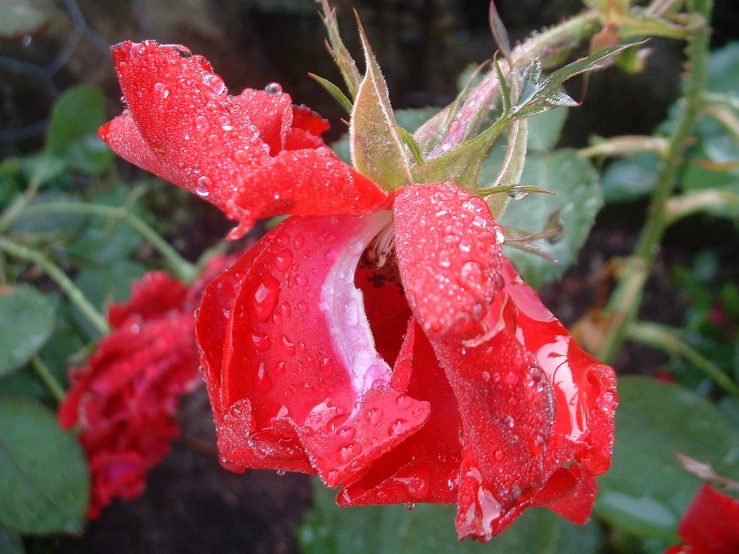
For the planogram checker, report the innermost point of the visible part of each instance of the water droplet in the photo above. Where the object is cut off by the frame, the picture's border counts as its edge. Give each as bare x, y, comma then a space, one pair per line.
374, 415
326, 367
260, 341
538, 444
486, 376
498, 455
517, 195
161, 90
27, 39
203, 187
213, 85
288, 345
273, 88
265, 297
279, 368
397, 427
403, 401
511, 378
332, 255
280, 473
349, 451
283, 260
242, 156
347, 433
472, 278
301, 280
409, 506
302, 306
510, 422
298, 241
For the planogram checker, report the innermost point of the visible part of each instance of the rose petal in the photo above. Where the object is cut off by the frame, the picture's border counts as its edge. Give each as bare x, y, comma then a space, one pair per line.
449, 252
425, 467
711, 522
154, 294
183, 126
298, 361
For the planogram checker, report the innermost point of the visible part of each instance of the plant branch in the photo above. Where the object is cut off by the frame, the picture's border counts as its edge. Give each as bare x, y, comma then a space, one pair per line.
625, 146
684, 205
58, 276
666, 338
624, 303
44, 373
181, 268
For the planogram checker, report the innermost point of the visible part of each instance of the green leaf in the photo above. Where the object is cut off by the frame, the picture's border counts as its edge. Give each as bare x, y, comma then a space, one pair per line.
545, 129
723, 69
75, 120
56, 224
631, 178
427, 528
646, 490
21, 17
538, 94
577, 193
45, 486
10, 541
378, 151
105, 284
26, 323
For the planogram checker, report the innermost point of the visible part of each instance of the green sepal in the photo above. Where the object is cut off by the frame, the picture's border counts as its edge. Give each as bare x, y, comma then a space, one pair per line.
339, 52
377, 148
334, 91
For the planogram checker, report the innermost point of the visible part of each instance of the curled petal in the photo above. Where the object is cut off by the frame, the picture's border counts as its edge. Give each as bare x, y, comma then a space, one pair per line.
295, 375
232, 151
425, 467
449, 249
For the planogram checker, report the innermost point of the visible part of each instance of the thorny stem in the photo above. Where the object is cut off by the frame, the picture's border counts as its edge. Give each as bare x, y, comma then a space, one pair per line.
551, 47
668, 339
44, 373
63, 282
624, 303
181, 268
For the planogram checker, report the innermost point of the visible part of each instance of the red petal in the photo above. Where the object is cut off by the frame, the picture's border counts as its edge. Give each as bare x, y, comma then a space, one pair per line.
297, 373
532, 402
449, 250
154, 294
425, 467
711, 523
183, 126
306, 119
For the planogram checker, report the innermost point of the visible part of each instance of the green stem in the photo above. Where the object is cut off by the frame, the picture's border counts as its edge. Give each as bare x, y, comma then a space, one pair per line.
624, 303
63, 282
666, 338
625, 146
44, 373
684, 205
181, 268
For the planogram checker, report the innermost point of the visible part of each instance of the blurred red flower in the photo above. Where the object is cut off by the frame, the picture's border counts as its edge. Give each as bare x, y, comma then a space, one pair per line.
395, 351
124, 399
710, 525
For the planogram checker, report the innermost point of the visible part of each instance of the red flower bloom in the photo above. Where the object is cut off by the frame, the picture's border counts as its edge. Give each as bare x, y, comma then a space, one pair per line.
710, 525
396, 353
125, 398
252, 155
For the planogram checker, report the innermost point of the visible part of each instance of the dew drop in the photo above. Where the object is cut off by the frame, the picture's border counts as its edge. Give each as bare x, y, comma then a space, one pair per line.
409, 506
298, 241
203, 187
498, 455
242, 156
283, 260
301, 280
403, 401
374, 415
273, 88
280, 473
397, 427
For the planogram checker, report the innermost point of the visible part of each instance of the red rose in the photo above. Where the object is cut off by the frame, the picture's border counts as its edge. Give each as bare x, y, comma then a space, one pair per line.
394, 352
710, 525
125, 398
